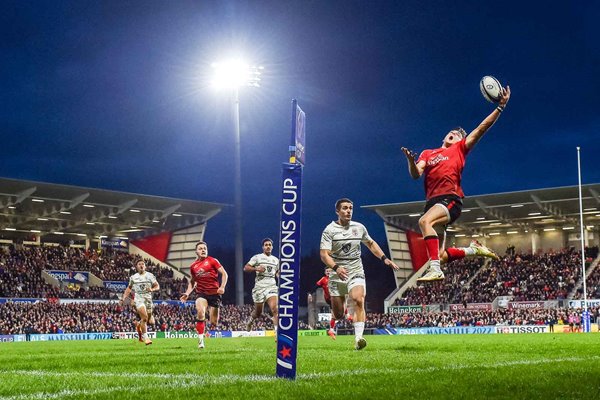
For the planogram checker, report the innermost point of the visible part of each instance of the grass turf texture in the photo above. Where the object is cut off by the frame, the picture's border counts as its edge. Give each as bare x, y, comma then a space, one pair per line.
521, 366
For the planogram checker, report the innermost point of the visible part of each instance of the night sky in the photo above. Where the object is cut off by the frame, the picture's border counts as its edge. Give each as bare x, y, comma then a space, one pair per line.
114, 95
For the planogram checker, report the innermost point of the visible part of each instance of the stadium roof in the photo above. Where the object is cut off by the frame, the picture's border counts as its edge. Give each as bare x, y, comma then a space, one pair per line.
58, 210
523, 211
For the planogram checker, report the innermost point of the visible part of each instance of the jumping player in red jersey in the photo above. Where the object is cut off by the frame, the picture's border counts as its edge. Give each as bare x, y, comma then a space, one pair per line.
443, 168
205, 273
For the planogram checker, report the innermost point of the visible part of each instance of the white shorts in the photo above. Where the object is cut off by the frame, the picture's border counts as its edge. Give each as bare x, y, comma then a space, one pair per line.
261, 294
140, 301
339, 288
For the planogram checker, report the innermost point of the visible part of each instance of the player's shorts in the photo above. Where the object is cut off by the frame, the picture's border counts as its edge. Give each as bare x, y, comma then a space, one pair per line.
451, 203
261, 294
213, 300
339, 288
140, 301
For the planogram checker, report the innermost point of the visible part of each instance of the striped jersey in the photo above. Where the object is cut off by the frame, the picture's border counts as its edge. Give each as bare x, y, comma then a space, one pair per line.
140, 284
343, 243
271, 265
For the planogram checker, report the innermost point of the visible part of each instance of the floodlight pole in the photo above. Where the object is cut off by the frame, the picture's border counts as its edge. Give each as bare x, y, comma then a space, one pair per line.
239, 244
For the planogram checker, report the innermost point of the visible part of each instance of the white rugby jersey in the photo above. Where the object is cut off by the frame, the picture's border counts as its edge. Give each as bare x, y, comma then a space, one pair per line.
343, 242
141, 284
271, 264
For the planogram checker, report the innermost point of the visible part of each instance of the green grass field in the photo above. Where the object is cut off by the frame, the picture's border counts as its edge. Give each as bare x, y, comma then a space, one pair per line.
446, 366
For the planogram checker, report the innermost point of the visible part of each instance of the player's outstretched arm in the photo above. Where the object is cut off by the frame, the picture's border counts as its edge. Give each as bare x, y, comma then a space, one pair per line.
487, 123
377, 252
414, 169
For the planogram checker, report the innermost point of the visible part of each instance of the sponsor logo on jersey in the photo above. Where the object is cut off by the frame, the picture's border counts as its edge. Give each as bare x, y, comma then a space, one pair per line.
437, 159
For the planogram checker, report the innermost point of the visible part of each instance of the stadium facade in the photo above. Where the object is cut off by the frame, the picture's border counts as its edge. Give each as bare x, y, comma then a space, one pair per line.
46, 214
529, 221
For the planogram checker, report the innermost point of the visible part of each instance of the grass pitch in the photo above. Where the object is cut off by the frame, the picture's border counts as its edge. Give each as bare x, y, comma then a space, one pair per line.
522, 366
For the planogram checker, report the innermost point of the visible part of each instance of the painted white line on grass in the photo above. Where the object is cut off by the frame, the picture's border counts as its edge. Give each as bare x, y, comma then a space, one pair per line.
181, 381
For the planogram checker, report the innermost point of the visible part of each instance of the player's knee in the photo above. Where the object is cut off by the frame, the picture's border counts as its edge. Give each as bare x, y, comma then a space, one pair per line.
424, 222
359, 302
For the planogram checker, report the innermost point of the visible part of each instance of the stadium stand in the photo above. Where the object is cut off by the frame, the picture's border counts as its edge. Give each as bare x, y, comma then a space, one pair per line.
525, 277
21, 270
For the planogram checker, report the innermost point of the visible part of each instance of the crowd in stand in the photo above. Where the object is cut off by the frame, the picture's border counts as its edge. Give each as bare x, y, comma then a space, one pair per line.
21, 272
525, 277
553, 275
53, 317
457, 275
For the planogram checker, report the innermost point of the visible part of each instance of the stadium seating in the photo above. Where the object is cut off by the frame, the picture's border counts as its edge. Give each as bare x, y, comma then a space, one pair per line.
21, 272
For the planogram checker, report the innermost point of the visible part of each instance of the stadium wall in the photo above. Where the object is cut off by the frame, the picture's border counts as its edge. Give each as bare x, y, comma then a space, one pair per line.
527, 242
182, 250
133, 249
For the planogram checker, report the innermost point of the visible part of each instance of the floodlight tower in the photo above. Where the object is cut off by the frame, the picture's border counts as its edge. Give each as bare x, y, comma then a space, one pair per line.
232, 75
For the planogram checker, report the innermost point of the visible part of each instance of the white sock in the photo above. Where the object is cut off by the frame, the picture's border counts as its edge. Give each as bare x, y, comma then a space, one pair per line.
435, 265
359, 328
469, 251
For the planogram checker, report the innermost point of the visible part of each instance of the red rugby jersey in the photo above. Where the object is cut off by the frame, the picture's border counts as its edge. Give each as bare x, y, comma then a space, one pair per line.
323, 283
443, 169
205, 274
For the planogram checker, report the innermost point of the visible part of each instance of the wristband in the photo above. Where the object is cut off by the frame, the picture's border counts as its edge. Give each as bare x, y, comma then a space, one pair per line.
383, 258
335, 267
500, 108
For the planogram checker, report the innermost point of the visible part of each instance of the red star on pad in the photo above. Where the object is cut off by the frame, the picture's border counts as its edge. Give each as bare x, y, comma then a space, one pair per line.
286, 352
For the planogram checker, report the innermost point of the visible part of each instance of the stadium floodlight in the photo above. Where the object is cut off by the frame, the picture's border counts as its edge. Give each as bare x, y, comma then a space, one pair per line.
232, 75
235, 73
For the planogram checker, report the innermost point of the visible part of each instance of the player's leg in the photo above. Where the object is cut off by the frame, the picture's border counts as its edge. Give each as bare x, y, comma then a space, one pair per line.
437, 215
357, 296
137, 324
213, 312
337, 292
201, 306
257, 312
144, 323
214, 304
337, 314
150, 321
272, 303
475, 249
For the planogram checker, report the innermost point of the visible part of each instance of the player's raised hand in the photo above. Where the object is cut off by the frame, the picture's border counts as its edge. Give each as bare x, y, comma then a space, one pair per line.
410, 155
504, 96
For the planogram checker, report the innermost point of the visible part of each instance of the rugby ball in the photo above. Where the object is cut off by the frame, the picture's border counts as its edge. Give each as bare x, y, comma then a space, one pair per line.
490, 89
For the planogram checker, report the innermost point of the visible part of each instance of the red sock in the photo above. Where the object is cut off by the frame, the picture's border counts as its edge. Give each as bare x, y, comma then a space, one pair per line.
433, 247
332, 323
200, 327
455, 253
